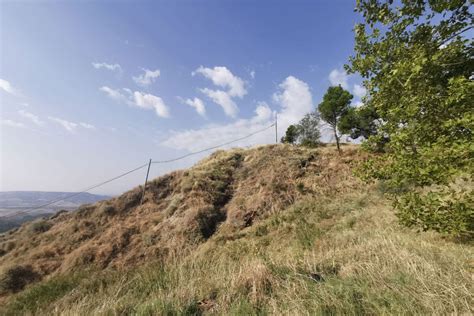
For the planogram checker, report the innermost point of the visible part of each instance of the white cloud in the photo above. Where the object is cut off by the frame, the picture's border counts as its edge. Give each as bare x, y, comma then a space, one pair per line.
7, 87
13, 124
212, 134
69, 126
147, 78
222, 77
359, 91
150, 101
338, 77
294, 100
223, 99
87, 125
198, 105
138, 99
111, 67
114, 94
252, 74
263, 113
34, 118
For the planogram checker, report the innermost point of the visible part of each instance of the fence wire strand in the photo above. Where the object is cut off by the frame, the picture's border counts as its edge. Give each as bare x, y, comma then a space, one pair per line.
35, 208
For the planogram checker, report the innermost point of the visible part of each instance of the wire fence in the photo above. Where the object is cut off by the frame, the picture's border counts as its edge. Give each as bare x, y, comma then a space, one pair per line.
52, 202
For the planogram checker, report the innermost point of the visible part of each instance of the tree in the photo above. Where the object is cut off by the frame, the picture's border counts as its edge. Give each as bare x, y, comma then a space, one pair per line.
417, 63
335, 104
308, 130
362, 122
291, 135
305, 133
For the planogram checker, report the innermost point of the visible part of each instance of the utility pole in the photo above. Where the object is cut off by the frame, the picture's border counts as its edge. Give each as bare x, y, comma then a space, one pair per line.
146, 180
276, 128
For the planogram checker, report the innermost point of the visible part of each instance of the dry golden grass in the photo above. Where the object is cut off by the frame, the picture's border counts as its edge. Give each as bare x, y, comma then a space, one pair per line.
180, 210
270, 230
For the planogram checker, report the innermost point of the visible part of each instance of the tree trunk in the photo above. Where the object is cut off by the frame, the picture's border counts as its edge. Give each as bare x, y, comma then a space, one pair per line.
337, 141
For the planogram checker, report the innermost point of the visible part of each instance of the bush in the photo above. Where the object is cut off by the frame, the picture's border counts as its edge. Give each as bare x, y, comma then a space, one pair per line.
16, 278
447, 211
40, 226
107, 209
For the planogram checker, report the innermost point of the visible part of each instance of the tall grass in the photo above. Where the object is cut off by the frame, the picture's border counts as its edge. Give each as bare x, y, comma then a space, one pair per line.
320, 256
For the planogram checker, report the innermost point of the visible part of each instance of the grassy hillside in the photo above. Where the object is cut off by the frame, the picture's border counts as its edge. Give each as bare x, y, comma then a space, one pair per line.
269, 230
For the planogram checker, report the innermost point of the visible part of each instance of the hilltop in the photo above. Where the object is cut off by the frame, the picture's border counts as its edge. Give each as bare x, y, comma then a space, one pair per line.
272, 229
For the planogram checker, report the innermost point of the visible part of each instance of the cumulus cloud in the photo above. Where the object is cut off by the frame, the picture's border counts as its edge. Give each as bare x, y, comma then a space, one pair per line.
7, 87
114, 94
252, 74
138, 99
212, 134
223, 78
263, 113
150, 101
70, 126
198, 105
294, 100
13, 124
30, 116
111, 67
338, 77
147, 78
223, 99
359, 91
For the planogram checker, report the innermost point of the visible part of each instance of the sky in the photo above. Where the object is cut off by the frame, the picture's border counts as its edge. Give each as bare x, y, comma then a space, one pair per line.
91, 89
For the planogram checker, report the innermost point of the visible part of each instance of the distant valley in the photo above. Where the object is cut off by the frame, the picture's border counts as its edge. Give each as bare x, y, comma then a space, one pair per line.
12, 202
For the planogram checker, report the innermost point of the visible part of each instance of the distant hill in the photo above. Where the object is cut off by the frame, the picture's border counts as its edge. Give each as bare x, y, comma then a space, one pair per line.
12, 202
272, 230
20, 199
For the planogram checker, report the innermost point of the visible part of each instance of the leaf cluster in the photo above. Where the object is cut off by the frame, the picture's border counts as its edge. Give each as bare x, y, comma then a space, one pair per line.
417, 63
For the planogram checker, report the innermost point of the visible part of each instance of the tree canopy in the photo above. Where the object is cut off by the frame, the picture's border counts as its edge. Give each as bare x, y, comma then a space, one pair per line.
336, 103
363, 122
305, 133
291, 135
418, 63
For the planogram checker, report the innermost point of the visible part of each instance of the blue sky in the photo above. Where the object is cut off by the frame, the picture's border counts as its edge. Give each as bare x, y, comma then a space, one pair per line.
90, 89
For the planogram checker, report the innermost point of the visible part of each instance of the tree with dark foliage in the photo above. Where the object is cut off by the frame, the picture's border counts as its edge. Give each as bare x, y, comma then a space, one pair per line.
335, 105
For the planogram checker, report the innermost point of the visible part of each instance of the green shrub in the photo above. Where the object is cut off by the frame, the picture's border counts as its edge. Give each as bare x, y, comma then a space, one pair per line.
41, 295
40, 226
107, 209
447, 211
16, 278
